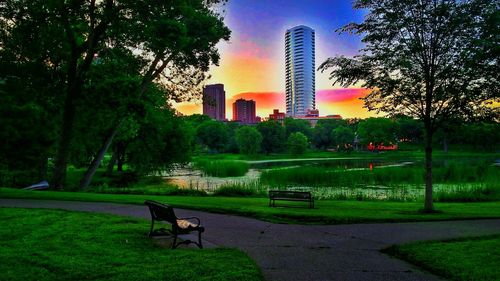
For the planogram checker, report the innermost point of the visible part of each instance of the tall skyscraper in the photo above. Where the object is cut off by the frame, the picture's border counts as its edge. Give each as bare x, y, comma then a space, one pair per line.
244, 111
300, 71
214, 101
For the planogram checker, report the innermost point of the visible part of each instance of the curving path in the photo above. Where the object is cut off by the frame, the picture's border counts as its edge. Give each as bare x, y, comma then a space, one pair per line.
304, 252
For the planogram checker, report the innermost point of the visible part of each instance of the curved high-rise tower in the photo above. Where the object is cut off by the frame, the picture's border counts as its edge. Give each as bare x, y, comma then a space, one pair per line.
300, 71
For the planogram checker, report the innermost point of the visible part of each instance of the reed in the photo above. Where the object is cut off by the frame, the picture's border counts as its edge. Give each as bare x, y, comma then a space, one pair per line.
222, 168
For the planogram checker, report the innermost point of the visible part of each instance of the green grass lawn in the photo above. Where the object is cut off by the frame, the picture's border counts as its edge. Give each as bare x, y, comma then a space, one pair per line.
458, 259
60, 245
326, 211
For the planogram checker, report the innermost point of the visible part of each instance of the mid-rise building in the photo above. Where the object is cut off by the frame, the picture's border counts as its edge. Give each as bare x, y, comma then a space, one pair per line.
277, 115
214, 101
244, 111
300, 71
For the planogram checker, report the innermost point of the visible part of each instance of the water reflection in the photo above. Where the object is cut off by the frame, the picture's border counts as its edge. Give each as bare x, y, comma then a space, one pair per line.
189, 177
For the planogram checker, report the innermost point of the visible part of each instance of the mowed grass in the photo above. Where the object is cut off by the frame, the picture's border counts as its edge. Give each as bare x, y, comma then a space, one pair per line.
459, 259
326, 211
60, 245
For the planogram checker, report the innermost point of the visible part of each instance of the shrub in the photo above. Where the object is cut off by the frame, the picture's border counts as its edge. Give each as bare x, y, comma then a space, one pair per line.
297, 143
248, 140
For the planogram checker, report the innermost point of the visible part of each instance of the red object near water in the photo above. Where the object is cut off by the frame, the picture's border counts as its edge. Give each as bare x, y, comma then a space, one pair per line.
381, 147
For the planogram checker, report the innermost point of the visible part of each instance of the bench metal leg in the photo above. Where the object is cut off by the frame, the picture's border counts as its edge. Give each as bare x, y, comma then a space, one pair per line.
199, 240
199, 244
174, 245
151, 229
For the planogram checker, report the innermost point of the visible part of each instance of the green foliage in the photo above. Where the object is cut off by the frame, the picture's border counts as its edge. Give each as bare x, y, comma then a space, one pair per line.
297, 143
343, 137
125, 178
222, 168
239, 190
322, 136
473, 258
430, 60
377, 131
232, 143
482, 136
28, 126
161, 142
248, 139
104, 247
213, 134
273, 136
409, 129
298, 125
76, 43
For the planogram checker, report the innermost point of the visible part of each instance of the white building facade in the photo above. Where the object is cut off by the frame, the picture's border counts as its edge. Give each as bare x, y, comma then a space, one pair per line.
300, 71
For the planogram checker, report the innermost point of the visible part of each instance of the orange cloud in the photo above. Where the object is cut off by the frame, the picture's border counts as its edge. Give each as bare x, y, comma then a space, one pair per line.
340, 95
188, 108
345, 102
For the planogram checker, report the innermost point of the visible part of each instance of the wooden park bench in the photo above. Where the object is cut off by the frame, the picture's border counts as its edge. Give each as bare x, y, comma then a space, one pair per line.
164, 212
290, 196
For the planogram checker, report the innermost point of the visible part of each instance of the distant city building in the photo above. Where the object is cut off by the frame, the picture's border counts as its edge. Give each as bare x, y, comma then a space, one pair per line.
244, 111
277, 115
312, 113
300, 71
214, 101
313, 120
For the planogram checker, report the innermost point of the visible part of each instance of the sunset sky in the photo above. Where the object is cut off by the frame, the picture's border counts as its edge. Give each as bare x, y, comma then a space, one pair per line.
252, 63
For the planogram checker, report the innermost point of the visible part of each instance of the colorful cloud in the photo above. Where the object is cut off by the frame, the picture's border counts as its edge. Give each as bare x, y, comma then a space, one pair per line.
345, 102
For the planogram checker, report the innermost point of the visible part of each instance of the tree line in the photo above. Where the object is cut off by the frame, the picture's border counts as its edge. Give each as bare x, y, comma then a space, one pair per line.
295, 136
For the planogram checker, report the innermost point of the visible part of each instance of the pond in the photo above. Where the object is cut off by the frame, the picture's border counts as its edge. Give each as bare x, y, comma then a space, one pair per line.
189, 177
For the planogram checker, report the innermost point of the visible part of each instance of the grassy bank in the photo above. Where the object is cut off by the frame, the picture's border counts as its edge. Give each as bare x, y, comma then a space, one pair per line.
61, 245
458, 181
483, 173
326, 211
409, 153
458, 259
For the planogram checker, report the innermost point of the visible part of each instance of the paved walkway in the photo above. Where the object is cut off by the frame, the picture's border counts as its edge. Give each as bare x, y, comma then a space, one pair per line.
305, 252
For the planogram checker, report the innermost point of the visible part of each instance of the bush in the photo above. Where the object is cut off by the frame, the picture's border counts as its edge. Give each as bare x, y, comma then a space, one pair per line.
234, 191
124, 179
248, 139
297, 143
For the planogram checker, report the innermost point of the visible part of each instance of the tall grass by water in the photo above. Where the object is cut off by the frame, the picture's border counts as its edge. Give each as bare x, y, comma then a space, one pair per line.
222, 168
388, 177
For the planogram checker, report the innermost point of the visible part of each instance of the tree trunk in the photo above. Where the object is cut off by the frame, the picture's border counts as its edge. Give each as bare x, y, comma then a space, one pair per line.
96, 161
119, 164
445, 144
111, 165
428, 205
61, 162
42, 168
87, 178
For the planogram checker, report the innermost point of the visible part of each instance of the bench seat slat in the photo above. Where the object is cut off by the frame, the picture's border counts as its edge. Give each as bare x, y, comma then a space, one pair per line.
290, 196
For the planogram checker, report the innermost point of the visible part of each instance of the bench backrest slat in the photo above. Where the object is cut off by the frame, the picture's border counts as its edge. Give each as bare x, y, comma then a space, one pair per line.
161, 212
289, 194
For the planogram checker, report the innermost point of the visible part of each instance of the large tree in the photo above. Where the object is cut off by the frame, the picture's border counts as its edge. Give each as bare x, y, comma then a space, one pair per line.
248, 139
273, 136
429, 59
174, 40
